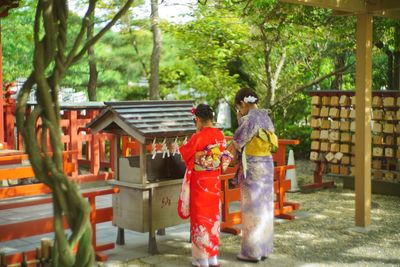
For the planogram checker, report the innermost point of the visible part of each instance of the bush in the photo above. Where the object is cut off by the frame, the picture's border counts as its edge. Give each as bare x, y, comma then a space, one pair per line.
301, 133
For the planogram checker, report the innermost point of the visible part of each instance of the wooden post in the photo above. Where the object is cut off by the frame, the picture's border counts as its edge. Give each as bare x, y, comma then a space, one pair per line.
72, 116
94, 147
363, 120
92, 217
152, 246
111, 139
116, 154
120, 236
8, 120
143, 163
95, 154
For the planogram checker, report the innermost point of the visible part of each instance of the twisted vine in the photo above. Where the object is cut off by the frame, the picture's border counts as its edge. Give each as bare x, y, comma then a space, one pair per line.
51, 60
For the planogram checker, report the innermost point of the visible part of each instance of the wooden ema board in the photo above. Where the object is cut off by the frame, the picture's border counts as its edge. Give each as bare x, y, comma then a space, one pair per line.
337, 121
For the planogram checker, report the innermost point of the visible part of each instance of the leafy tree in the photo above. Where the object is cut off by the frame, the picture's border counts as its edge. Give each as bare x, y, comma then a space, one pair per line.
387, 44
212, 43
17, 41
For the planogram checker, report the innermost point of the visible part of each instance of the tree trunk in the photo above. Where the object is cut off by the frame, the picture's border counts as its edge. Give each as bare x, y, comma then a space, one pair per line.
270, 88
337, 83
144, 67
93, 74
390, 74
396, 69
155, 55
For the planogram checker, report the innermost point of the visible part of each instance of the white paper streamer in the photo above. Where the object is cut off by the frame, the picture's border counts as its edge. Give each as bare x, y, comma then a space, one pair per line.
175, 147
164, 148
154, 149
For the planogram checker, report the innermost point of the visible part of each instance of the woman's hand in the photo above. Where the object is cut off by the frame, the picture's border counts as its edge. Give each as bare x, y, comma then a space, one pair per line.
238, 115
231, 148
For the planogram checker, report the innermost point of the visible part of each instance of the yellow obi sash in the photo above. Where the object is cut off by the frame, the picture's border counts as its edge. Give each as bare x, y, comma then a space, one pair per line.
262, 144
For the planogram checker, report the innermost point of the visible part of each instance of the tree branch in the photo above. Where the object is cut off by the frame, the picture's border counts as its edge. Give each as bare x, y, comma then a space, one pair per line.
79, 37
304, 87
279, 67
93, 40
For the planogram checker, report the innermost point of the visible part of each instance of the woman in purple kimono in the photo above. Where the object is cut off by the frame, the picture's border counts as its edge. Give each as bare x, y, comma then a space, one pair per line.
255, 139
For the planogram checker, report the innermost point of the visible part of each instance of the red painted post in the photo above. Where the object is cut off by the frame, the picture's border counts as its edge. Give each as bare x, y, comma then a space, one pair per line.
1, 95
112, 149
94, 148
92, 203
9, 112
73, 137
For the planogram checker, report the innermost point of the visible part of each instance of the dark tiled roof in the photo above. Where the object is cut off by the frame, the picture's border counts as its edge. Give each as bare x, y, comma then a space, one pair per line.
148, 119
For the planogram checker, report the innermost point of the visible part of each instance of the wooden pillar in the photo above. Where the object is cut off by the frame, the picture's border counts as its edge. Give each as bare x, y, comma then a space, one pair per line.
143, 163
94, 147
116, 153
8, 121
112, 149
363, 120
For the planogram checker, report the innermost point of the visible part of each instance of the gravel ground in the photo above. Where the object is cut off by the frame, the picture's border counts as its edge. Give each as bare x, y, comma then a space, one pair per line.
322, 235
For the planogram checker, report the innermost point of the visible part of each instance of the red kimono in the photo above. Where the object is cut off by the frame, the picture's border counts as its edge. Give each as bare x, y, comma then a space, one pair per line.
202, 188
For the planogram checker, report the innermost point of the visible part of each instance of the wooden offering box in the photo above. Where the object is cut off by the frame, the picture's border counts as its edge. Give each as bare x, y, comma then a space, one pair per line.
149, 179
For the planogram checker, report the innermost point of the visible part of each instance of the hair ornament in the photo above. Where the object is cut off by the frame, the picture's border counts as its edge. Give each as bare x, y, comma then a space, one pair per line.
250, 99
193, 111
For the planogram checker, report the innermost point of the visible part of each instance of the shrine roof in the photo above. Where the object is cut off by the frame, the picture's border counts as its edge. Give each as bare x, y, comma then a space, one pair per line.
146, 119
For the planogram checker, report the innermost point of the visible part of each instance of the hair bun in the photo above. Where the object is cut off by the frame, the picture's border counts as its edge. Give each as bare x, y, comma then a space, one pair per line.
204, 112
246, 95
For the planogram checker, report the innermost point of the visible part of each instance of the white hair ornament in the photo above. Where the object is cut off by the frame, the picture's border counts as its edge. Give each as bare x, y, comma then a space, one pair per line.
250, 99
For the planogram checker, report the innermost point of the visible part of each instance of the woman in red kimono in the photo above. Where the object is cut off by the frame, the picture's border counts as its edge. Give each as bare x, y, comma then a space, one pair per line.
204, 154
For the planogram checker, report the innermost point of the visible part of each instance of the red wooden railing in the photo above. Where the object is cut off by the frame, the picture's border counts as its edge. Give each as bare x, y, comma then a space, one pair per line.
24, 229
93, 153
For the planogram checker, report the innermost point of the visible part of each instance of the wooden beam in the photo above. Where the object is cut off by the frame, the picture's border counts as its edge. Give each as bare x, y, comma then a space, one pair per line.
381, 5
357, 6
393, 14
363, 120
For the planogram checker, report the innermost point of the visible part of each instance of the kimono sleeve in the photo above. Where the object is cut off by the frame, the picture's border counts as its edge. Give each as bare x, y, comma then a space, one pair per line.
188, 150
244, 133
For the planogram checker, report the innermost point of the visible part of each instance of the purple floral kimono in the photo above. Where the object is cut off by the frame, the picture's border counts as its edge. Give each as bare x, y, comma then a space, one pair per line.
257, 188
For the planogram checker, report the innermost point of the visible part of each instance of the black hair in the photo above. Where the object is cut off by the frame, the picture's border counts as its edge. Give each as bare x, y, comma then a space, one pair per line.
245, 92
204, 112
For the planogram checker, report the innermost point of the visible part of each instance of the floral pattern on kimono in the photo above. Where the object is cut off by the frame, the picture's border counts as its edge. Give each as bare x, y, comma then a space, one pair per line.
257, 195
204, 189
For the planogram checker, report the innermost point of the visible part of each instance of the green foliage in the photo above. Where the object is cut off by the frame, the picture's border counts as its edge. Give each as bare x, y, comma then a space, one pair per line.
211, 42
228, 132
215, 54
301, 133
17, 41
